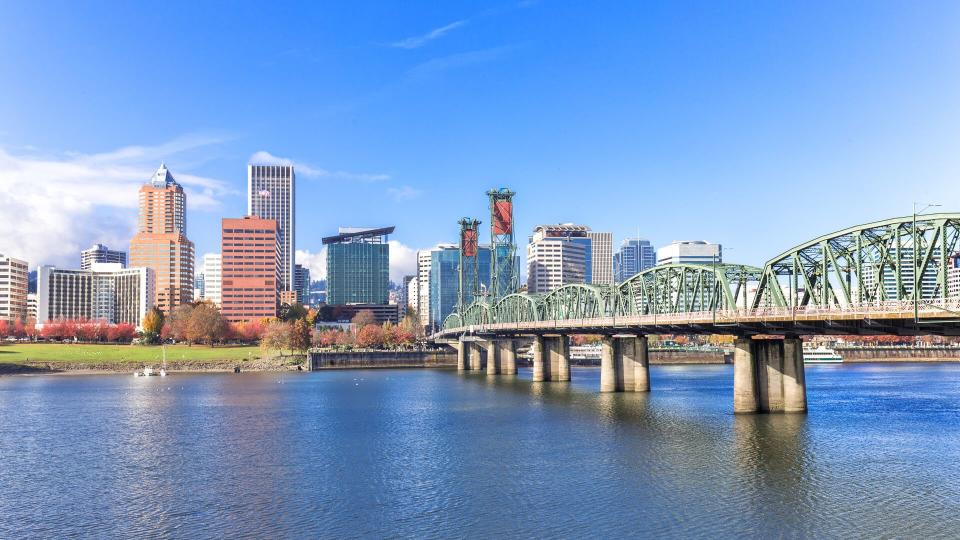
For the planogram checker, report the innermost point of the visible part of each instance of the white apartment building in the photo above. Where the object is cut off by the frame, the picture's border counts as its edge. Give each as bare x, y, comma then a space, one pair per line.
100, 253
690, 252
212, 277
107, 292
271, 191
14, 275
553, 263
424, 261
601, 257
953, 278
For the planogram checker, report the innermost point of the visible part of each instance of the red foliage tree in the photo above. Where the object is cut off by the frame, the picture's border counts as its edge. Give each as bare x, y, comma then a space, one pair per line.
370, 336
5, 329
25, 330
121, 333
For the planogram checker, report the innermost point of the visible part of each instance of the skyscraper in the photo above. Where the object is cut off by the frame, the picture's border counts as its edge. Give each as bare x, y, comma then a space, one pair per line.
635, 256
100, 253
250, 266
301, 283
271, 195
13, 289
445, 281
161, 241
558, 255
358, 266
212, 271
601, 257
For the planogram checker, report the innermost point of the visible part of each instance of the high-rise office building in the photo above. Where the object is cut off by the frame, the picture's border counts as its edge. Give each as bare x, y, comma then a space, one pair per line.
250, 268
413, 293
635, 256
601, 257
14, 277
106, 292
424, 263
271, 195
198, 287
445, 281
100, 253
358, 266
212, 280
161, 242
690, 252
301, 283
558, 255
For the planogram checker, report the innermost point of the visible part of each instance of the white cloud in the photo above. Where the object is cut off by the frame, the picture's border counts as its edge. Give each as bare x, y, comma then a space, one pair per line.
404, 193
263, 157
315, 262
403, 261
55, 205
419, 41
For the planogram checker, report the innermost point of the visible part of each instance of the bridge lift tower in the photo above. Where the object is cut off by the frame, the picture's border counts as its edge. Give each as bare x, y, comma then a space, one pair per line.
469, 286
504, 274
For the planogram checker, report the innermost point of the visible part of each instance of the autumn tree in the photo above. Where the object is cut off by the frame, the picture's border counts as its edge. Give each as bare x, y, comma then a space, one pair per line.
363, 318
179, 320
293, 312
276, 337
370, 336
5, 329
152, 325
300, 335
206, 324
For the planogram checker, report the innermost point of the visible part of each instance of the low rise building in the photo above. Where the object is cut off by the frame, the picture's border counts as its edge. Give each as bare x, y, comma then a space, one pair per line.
106, 292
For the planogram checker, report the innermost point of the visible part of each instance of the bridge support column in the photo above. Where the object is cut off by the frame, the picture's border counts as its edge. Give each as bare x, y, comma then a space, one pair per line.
559, 359
608, 361
508, 357
794, 377
476, 362
745, 399
768, 376
626, 364
641, 365
462, 347
493, 357
539, 355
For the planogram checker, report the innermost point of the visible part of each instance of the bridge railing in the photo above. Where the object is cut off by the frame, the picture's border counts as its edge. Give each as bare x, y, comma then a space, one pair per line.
949, 308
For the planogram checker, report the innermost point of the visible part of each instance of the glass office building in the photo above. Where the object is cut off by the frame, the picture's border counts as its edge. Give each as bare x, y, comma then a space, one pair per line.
445, 281
358, 266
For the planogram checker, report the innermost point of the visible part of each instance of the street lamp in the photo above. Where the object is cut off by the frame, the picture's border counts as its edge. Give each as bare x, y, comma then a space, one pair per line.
916, 269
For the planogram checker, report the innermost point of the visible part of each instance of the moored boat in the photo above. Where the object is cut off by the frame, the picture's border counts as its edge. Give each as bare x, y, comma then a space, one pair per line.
821, 355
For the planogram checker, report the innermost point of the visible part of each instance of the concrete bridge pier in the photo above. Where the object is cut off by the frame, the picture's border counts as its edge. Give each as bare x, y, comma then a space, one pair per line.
476, 358
540, 367
461, 347
508, 357
768, 376
493, 357
624, 364
559, 358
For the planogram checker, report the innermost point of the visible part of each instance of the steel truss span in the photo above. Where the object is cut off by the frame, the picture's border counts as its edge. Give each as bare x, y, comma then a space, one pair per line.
866, 279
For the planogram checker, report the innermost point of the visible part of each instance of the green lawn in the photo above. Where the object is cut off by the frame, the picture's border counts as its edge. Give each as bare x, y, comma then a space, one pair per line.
67, 352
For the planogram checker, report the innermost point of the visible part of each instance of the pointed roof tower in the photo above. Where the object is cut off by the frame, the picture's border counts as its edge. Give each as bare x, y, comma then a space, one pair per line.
162, 178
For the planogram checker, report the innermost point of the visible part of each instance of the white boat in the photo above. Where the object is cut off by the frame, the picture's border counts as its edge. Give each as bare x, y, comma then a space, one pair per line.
821, 355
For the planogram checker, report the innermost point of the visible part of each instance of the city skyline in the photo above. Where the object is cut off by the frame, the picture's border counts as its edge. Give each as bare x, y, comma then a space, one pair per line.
412, 120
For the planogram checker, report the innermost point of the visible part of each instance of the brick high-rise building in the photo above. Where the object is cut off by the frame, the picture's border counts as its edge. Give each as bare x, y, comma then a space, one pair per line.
161, 241
250, 269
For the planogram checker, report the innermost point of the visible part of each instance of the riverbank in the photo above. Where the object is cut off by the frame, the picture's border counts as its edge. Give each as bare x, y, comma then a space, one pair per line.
27, 358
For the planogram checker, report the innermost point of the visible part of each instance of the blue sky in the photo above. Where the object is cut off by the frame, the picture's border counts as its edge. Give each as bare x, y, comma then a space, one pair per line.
756, 124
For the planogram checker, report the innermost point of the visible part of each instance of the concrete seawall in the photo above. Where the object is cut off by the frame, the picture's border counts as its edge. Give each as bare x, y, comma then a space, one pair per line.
899, 354
381, 359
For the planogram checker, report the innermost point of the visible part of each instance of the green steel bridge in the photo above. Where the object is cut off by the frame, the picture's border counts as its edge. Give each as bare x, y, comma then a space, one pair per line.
895, 276
866, 279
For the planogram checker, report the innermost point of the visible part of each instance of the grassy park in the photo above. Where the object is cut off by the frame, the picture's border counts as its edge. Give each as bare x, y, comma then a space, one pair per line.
101, 354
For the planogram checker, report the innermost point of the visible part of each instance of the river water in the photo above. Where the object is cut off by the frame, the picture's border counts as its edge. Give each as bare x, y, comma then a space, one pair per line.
430, 453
